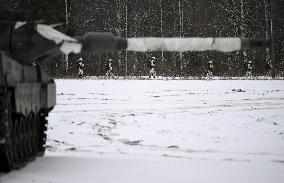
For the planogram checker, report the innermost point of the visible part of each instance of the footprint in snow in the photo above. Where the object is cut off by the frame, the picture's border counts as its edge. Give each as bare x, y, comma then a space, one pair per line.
173, 147
71, 149
238, 90
81, 123
132, 143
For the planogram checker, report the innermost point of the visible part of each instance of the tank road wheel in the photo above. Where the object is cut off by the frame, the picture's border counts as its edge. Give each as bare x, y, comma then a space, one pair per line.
27, 139
21, 139
7, 162
30, 134
16, 141
34, 127
26, 129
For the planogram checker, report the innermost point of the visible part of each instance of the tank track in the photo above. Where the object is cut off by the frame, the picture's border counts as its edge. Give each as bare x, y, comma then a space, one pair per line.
21, 138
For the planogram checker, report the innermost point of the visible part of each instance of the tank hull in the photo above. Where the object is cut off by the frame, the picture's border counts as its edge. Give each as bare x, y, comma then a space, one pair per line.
26, 97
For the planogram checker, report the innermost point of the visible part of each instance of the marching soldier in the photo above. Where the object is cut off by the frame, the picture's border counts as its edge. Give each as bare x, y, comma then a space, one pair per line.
109, 72
81, 66
249, 68
152, 66
209, 70
268, 68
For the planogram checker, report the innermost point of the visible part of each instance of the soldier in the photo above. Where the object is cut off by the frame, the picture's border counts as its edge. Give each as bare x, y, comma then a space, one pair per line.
81, 66
268, 68
109, 72
209, 70
152, 65
248, 66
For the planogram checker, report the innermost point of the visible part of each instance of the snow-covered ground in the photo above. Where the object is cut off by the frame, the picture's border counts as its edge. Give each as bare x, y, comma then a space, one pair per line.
162, 131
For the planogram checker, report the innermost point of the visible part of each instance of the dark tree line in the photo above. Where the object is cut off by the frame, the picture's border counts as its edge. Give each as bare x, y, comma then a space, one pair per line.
161, 18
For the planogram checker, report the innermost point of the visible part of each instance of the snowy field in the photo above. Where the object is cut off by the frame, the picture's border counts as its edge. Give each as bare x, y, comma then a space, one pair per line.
162, 131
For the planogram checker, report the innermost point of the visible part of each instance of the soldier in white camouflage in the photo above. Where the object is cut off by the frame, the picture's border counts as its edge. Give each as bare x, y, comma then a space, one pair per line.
152, 66
249, 68
109, 72
81, 67
209, 70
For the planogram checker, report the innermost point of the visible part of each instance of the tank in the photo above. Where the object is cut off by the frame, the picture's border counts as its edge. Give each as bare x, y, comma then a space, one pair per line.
27, 95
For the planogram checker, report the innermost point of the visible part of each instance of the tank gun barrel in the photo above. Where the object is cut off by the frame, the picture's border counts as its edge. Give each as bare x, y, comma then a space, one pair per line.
194, 44
255, 43
101, 42
27, 42
108, 42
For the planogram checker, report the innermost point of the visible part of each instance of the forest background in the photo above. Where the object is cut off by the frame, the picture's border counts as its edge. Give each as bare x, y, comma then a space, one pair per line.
159, 18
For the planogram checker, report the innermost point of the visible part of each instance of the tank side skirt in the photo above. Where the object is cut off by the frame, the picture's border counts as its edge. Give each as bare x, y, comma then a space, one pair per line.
27, 98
